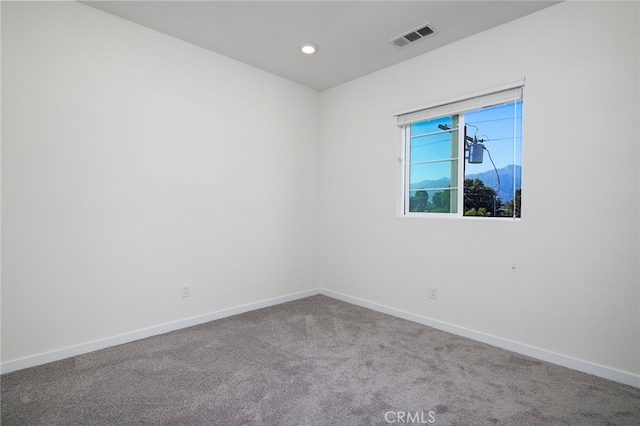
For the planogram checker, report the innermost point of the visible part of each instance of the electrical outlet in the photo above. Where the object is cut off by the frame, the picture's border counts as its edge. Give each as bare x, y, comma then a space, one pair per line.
433, 292
185, 290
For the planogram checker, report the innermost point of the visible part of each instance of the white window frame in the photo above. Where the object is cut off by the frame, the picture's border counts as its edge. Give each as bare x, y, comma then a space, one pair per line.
457, 105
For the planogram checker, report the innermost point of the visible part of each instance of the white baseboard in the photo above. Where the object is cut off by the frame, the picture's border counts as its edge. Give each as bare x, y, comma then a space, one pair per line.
59, 354
541, 354
544, 355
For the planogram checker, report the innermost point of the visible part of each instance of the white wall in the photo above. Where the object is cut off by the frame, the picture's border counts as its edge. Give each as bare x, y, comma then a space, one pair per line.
134, 162
575, 289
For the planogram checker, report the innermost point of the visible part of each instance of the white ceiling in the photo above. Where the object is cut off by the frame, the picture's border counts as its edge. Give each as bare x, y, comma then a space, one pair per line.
352, 35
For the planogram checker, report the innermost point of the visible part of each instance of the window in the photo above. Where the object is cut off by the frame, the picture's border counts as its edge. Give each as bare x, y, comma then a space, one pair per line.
463, 157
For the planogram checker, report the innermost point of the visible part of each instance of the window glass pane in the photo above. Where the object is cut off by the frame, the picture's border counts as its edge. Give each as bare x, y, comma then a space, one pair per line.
433, 201
434, 139
440, 174
432, 147
491, 185
430, 126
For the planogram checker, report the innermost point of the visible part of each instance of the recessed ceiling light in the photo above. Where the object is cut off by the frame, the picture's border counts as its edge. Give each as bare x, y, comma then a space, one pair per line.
309, 48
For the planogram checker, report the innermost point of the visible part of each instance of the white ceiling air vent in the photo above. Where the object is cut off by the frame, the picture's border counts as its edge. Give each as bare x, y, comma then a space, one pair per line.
414, 35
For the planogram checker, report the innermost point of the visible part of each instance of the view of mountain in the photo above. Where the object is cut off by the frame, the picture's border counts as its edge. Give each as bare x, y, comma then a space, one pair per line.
440, 183
504, 190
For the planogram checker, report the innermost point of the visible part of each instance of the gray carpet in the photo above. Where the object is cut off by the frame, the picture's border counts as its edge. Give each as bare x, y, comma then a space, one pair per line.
315, 361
